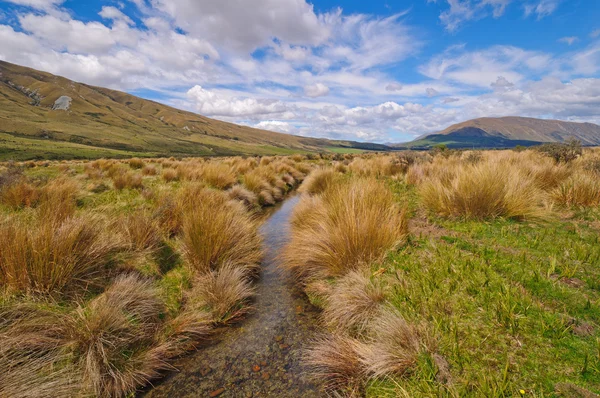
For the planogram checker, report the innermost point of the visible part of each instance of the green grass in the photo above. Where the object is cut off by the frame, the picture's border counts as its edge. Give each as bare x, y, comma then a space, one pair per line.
515, 306
343, 150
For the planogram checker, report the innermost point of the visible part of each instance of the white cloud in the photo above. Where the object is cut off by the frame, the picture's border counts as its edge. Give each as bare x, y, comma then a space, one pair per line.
316, 90
461, 11
39, 4
541, 8
245, 25
109, 12
394, 86
568, 40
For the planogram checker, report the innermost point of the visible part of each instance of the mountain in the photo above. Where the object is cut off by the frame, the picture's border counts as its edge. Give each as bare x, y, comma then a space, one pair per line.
508, 132
45, 116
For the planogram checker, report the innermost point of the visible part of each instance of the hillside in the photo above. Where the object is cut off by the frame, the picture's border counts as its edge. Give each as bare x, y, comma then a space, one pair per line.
47, 116
507, 132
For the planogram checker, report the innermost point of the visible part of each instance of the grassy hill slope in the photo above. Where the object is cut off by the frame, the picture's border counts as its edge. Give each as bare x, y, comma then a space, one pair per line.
97, 122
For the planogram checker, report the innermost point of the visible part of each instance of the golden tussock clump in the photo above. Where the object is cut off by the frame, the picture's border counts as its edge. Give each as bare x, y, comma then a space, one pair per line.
334, 360
217, 231
318, 181
19, 194
481, 191
248, 198
127, 180
170, 175
47, 256
356, 223
354, 301
224, 293
580, 190
136, 163
393, 347
125, 318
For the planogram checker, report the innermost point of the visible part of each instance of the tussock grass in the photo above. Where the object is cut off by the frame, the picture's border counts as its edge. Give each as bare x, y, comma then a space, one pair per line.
127, 180
19, 194
581, 190
224, 293
394, 347
47, 257
481, 191
318, 181
335, 361
124, 319
248, 198
217, 231
170, 175
354, 301
355, 224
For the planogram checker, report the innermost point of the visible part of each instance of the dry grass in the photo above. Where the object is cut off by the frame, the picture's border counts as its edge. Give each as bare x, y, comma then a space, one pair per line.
356, 224
318, 181
224, 293
353, 302
218, 175
334, 360
140, 231
581, 190
58, 199
394, 347
19, 194
136, 163
127, 180
124, 319
248, 198
217, 231
49, 257
33, 358
170, 175
481, 191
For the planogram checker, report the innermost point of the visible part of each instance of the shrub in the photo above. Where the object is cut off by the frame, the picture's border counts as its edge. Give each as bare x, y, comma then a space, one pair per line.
49, 257
355, 223
562, 152
217, 231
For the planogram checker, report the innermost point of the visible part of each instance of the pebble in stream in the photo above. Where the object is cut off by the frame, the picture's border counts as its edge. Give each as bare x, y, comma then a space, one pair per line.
261, 356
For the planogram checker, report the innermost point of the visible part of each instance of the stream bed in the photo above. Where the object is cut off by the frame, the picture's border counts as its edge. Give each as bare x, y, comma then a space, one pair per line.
260, 357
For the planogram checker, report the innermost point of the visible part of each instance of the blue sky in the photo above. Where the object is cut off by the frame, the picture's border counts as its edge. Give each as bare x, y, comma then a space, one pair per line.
384, 71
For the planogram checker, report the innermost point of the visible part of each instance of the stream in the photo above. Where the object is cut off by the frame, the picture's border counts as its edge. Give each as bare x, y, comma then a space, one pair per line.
260, 357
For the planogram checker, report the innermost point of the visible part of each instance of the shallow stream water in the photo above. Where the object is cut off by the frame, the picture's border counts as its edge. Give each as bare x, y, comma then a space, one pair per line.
261, 357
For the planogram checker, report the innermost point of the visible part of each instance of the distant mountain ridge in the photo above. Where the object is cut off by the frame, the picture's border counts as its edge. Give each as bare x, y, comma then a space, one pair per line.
48, 116
508, 132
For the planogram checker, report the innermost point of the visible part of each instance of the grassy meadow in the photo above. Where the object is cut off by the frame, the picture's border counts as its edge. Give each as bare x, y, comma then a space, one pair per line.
441, 273
454, 273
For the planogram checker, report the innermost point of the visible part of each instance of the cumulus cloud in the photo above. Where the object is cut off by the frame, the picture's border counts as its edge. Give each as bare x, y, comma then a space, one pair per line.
316, 90
245, 25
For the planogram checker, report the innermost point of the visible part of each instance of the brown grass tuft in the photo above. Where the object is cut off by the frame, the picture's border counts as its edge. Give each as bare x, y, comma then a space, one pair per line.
114, 335
49, 257
127, 180
217, 231
170, 175
248, 198
318, 181
334, 360
394, 347
353, 302
356, 224
582, 189
224, 292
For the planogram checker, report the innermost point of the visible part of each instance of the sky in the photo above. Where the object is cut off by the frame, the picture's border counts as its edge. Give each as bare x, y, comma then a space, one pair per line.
366, 70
